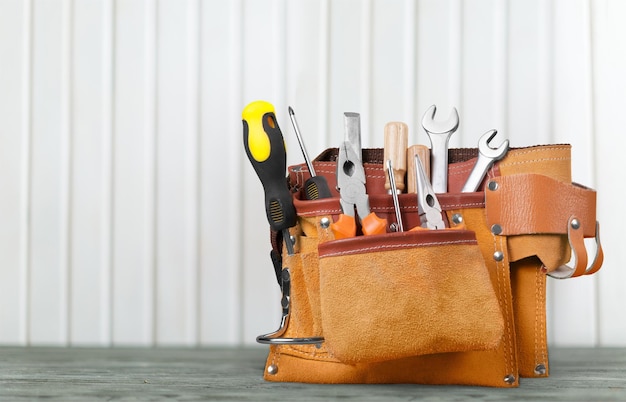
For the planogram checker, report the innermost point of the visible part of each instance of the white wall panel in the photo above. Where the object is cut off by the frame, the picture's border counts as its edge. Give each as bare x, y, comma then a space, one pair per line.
573, 318
529, 73
348, 82
15, 123
130, 214
439, 62
50, 147
177, 173
134, 167
89, 264
307, 77
483, 97
609, 64
220, 180
387, 64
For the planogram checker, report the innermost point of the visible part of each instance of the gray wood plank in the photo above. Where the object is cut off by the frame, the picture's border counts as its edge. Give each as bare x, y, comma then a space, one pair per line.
127, 374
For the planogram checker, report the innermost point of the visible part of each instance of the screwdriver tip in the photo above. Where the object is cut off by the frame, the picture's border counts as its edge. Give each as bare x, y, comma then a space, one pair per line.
291, 111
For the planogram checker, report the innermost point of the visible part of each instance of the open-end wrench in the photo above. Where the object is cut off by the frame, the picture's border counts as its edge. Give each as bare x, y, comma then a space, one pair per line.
486, 157
439, 133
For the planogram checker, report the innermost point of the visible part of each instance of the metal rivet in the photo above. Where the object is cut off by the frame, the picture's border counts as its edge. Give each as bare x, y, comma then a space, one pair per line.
509, 379
575, 223
324, 223
457, 219
393, 227
496, 229
540, 369
498, 256
492, 185
272, 369
318, 346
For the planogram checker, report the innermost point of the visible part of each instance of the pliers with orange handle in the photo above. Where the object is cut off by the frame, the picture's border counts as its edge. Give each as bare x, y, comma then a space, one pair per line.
351, 185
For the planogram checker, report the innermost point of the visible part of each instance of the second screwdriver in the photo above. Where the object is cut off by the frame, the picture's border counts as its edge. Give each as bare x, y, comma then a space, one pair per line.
316, 187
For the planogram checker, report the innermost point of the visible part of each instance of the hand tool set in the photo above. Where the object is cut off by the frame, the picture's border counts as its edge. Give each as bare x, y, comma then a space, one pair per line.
410, 264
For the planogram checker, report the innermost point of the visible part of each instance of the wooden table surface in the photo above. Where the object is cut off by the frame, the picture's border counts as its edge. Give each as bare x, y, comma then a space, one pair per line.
232, 374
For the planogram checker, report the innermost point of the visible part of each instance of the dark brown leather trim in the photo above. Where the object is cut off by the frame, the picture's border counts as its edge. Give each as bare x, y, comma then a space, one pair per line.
396, 241
384, 203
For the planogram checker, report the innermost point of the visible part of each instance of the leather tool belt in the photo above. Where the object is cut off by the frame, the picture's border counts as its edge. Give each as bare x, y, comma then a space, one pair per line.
462, 305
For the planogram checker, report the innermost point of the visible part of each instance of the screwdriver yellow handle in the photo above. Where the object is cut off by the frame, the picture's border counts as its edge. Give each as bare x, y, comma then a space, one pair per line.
265, 147
256, 139
396, 141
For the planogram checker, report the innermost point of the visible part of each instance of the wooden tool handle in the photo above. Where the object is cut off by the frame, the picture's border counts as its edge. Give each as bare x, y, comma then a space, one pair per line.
424, 154
396, 141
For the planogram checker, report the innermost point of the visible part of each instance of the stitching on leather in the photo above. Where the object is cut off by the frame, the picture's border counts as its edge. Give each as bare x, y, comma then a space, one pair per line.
501, 296
328, 171
273, 357
391, 209
466, 205
501, 270
540, 149
314, 354
460, 168
374, 176
505, 270
276, 358
320, 212
506, 164
544, 351
539, 312
396, 246
536, 331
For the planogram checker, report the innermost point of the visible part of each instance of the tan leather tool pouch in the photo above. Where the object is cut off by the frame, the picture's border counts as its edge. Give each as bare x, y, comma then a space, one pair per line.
406, 294
462, 305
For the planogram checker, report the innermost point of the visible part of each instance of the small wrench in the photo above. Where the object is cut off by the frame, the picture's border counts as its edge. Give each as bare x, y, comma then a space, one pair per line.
439, 134
486, 157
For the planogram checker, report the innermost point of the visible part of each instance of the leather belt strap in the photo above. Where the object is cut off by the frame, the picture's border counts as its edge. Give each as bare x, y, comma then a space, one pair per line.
532, 203
537, 204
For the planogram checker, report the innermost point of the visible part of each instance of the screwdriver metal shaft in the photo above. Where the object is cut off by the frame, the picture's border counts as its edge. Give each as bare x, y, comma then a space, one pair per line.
316, 187
394, 194
296, 128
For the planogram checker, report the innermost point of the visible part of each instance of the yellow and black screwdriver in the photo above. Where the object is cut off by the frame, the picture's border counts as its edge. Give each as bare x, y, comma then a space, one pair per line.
265, 148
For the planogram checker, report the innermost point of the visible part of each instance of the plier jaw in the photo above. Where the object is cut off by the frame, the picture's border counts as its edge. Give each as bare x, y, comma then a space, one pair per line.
351, 181
351, 185
428, 207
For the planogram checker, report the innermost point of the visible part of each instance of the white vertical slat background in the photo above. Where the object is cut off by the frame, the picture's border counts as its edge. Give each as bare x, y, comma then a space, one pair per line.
89, 216
221, 256
15, 133
176, 228
609, 97
571, 82
48, 301
129, 213
133, 173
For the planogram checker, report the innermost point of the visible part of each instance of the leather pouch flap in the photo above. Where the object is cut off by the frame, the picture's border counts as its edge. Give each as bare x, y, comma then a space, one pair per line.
406, 294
